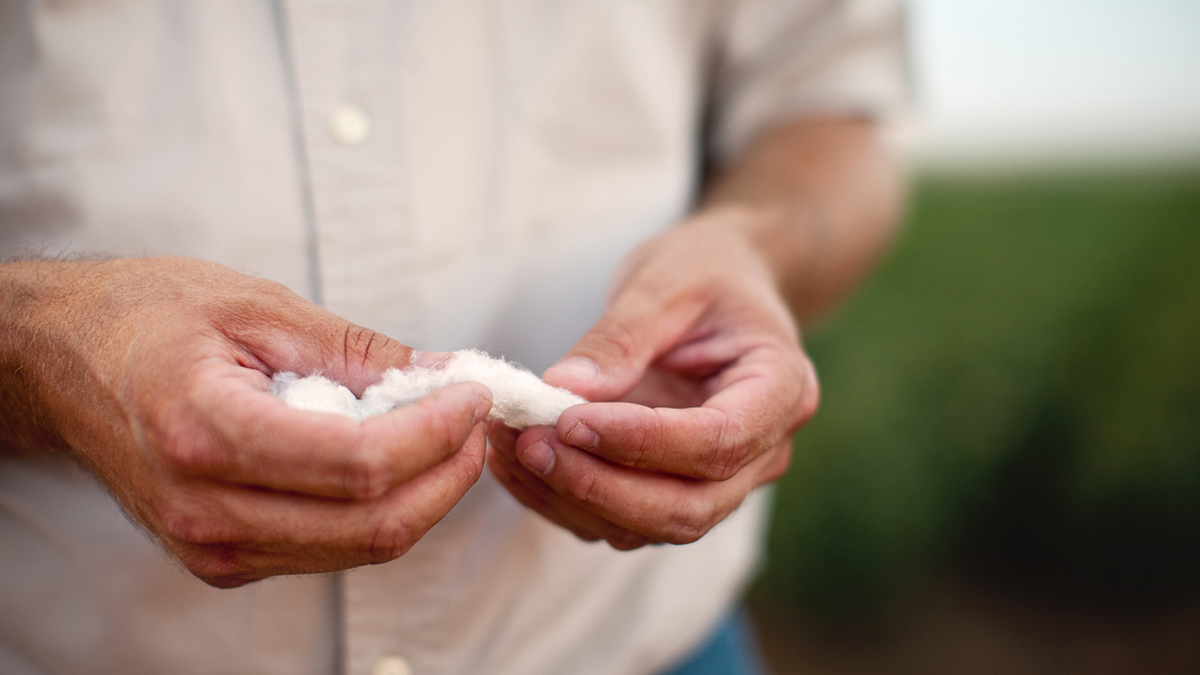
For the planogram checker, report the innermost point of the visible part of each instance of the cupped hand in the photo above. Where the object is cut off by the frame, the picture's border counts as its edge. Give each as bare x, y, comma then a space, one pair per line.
156, 375
698, 382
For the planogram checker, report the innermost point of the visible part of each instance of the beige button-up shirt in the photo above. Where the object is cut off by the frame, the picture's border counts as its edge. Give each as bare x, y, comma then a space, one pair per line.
454, 173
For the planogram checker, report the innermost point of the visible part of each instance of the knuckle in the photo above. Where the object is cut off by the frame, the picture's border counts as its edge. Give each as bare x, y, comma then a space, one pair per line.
368, 475
619, 339
780, 465
225, 583
441, 429
358, 342
627, 541
389, 541
809, 404
217, 566
690, 521
449, 430
181, 526
728, 452
583, 489
472, 469
810, 398
723, 464
186, 524
188, 454
642, 452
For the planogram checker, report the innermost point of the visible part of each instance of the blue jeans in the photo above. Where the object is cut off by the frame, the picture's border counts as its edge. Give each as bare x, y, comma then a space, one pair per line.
732, 650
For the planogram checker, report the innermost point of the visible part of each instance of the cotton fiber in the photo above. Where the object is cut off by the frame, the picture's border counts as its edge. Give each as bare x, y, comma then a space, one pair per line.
520, 398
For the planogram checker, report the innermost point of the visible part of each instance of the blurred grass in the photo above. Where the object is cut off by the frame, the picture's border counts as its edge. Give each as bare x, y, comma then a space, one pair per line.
1019, 387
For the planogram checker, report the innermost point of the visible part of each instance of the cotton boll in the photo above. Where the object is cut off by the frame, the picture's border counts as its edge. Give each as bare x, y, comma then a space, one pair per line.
404, 387
315, 393
520, 398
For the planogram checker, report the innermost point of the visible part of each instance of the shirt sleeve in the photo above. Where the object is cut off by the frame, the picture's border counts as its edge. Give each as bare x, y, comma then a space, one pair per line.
781, 60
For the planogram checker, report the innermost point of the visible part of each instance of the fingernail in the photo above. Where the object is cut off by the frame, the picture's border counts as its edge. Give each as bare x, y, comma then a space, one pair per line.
578, 366
429, 359
582, 436
539, 457
482, 409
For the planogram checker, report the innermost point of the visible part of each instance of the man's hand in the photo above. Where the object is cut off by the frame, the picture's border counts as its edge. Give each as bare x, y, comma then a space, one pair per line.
696, 366
705, 361
155, 374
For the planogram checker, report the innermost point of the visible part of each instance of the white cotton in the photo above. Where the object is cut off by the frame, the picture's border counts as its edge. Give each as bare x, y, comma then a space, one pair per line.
520, 398
315, 393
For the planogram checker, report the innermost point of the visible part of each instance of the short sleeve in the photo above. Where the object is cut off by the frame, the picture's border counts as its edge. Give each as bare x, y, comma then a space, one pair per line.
781, 60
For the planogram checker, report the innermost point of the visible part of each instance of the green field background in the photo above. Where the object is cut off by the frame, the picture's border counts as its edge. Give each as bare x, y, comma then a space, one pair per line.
1015, 392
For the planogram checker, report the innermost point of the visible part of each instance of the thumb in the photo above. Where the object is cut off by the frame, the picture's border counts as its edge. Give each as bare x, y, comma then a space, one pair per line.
613, 356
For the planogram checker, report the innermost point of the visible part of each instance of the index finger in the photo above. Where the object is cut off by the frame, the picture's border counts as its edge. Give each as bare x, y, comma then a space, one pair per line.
755, 406
256, 439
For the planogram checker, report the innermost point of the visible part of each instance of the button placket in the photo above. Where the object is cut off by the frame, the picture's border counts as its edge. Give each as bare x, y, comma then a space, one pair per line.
351, 84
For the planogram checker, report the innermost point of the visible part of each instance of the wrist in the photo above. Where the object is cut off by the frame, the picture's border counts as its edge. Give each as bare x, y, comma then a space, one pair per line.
779, 236
36, 323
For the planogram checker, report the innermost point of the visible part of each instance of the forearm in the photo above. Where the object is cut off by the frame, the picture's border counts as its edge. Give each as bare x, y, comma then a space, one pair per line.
819, 200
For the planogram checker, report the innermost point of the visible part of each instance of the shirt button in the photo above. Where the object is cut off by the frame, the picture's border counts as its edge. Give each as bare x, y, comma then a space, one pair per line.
392, 665
349, 124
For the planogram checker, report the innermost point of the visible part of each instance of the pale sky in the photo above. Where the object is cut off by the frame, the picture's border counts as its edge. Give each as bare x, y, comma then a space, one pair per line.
1032, 80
